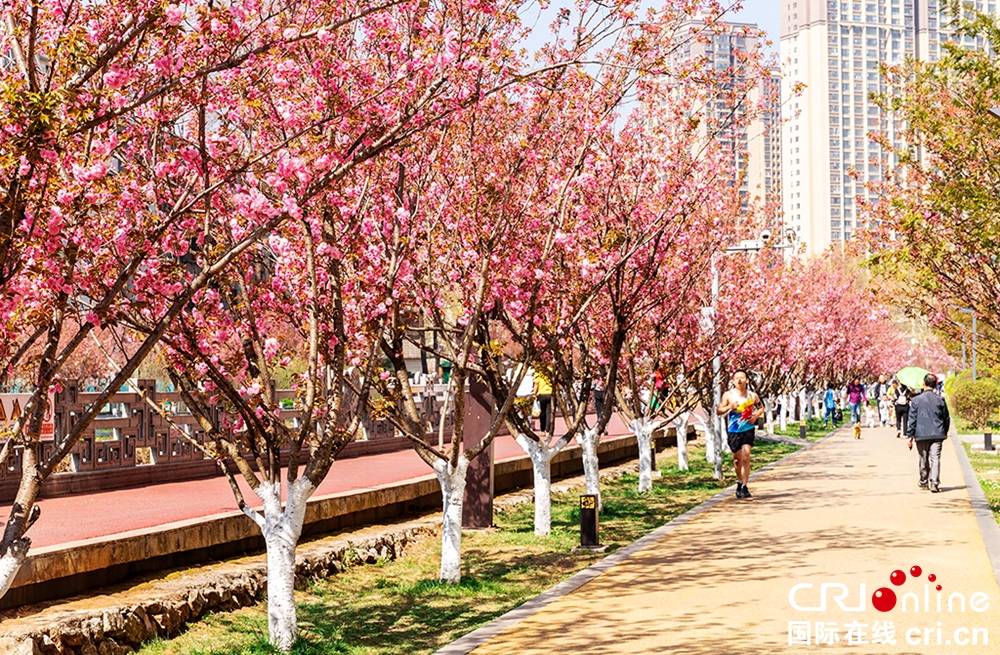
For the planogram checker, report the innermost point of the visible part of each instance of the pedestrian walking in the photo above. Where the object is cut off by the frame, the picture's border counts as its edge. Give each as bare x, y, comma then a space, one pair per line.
744, 409
901, 405
855, 399
882, 395
543, 395
599, 398
884, 406
928, 426
830, 405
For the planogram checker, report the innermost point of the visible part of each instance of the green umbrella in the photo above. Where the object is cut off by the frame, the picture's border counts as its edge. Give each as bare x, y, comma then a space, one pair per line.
913, 377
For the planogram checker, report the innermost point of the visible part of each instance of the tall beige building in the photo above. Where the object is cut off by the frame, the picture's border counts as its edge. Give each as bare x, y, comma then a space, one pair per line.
755, 147
835, 50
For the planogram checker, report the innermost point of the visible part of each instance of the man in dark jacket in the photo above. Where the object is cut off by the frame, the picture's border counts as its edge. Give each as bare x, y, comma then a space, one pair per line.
929, 423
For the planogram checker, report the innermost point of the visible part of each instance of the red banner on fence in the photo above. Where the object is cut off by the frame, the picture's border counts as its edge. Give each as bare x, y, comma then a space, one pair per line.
11, 408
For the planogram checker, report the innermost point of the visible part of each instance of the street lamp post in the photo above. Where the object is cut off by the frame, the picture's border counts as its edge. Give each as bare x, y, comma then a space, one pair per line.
789, 239
967, 310
964, 363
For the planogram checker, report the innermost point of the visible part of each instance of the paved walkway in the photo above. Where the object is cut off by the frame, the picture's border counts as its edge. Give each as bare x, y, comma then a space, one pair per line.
845, 511
66, 519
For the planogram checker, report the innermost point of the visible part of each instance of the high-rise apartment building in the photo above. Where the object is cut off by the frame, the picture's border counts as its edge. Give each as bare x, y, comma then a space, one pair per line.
756, 145
836, 49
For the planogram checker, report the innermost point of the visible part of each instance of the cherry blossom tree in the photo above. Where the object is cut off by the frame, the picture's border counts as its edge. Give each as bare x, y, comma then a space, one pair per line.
102, 188
505, 268
320, 275
152, 147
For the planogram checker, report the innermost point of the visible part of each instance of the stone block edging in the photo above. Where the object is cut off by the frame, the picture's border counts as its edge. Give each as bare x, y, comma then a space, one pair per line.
980, 507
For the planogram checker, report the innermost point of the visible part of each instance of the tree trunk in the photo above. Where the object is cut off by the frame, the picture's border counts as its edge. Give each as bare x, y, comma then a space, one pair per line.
591, 464
282, 622
714, 437
769, 415
14, 546
541, 464
803, 402
710, 436
682, 442
452, 479
282, 528
11, 561
643, 430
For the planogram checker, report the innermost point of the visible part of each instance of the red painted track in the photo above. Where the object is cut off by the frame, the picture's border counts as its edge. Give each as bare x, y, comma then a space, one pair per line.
73, 518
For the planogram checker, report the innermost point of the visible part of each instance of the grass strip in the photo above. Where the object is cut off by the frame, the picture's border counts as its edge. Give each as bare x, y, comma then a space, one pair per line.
987, 468
815, 429
399, 607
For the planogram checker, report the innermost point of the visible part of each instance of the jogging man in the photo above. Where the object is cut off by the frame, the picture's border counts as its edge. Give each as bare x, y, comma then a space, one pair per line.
744, 408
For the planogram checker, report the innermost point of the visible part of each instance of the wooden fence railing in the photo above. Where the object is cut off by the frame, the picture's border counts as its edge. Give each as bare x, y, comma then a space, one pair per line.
128, 434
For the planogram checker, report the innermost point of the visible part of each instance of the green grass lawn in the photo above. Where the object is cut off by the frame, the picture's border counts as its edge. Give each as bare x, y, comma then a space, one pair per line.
399, 608
815, 430
987, 468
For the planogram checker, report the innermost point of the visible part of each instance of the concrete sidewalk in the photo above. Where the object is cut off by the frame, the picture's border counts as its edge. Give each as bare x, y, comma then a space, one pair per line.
845, 512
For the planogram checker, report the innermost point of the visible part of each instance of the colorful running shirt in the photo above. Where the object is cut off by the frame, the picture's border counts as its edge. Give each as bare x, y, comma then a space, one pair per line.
739, 418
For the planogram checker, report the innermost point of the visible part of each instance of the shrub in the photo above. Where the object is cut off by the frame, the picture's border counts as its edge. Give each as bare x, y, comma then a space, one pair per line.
955, 381
976, 402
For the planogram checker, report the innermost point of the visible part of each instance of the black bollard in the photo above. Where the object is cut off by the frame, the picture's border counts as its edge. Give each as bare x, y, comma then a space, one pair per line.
987, 441
802, 431
588, 522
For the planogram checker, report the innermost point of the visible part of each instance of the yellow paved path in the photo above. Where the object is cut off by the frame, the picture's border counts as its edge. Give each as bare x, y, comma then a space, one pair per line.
845, 511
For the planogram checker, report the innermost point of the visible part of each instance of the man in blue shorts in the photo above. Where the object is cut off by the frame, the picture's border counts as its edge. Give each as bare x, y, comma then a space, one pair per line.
743, 408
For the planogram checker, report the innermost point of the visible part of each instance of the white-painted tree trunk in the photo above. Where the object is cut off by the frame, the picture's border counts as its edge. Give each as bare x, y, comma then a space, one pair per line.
769, 415
452, 479
783, 413
682, 442
710, 436
11, 563
282, 621
541, 466
588, 440
643, 430
281, 528
804, 404
717, 426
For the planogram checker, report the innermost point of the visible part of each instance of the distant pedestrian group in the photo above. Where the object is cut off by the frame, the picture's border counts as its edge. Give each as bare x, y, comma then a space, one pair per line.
921, 417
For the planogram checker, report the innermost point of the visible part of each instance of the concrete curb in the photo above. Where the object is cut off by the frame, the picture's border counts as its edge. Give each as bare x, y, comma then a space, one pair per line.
981, 508
480, 636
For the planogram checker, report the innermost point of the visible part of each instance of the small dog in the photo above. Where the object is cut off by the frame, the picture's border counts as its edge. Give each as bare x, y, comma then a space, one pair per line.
857, 430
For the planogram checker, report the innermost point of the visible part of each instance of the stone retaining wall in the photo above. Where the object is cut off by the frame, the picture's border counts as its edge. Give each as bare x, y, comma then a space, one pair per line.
117, 629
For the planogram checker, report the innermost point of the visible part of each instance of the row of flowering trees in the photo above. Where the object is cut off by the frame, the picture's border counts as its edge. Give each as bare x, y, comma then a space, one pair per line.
818, 323
247, 190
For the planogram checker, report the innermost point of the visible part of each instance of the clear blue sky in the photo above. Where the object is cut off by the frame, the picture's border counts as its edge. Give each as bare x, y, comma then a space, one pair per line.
762, 12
